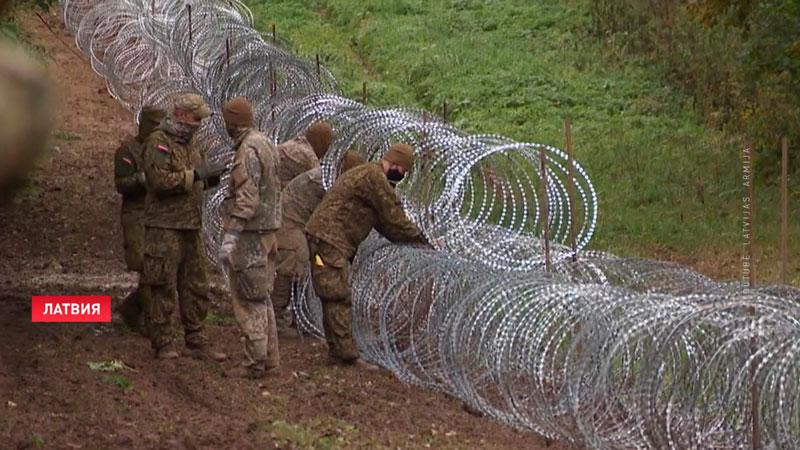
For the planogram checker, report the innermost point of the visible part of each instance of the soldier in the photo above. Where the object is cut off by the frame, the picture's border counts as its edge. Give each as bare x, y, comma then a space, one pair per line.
304, 152
175, 266
252, 215
297, 156
360, 200
129, 179
299, 199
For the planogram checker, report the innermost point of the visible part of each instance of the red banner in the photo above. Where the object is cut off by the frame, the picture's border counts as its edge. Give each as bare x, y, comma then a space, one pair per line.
71, 308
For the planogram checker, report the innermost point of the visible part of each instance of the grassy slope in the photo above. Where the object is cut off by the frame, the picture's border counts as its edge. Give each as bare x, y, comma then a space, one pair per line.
517, 68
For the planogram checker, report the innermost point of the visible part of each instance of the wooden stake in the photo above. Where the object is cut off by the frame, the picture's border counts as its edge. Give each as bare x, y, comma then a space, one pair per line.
274, 35
545, 207
273, 87
319, 77
444, 111
189, 7
784, 209
153, 7
364, 93
571, 190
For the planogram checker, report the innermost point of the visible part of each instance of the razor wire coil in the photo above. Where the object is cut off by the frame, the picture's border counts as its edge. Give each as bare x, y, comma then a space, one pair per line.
604, 352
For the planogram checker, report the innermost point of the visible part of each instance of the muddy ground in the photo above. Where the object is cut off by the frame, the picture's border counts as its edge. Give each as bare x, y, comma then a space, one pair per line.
61, 236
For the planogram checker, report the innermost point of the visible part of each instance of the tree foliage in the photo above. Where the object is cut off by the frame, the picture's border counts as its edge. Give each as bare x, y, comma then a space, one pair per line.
739, 59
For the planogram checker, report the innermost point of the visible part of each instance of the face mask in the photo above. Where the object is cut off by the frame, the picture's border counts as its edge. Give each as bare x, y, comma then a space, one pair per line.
182, 130
394, 175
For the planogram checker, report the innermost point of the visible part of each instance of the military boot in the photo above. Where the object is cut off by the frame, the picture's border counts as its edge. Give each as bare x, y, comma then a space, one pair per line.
197, 347
357, 363
249, 370
167, 352
130, 312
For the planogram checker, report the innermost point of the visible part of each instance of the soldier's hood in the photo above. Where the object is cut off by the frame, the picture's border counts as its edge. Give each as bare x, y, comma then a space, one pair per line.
149, 119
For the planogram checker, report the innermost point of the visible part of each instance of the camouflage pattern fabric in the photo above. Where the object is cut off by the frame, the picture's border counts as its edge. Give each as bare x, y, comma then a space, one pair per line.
252, 272
292, 263
174, 200
361, 199
298, 201
331, 282
301, 197
252, 208
296, 156
128, 159
253, 200
176, 270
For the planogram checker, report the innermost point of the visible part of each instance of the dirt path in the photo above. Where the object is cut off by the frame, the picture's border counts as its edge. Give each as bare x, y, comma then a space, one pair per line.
65, 239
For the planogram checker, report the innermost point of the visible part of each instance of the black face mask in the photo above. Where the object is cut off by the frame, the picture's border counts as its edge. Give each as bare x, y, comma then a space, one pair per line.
394, 175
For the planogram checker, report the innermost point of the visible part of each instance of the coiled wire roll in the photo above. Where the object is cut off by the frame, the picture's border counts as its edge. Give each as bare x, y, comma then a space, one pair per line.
473, 195
605, 352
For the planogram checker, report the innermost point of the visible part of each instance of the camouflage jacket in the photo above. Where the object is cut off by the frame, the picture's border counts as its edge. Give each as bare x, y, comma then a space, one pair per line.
361, 199
296, 156
253, 200
129, 159
301, 197
174, 200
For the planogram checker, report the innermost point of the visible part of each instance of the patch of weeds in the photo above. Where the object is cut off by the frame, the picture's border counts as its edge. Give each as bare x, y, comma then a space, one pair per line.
109, 366
39, 442
27, 191
106, 366
220, 319
66, 136
122, 382
10, 30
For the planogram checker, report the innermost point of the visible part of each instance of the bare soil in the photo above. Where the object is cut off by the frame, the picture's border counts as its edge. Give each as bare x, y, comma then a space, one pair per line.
63, 237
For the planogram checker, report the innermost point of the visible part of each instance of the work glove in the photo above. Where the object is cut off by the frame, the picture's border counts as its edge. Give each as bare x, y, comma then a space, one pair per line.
140, 178
228, 245
209, 172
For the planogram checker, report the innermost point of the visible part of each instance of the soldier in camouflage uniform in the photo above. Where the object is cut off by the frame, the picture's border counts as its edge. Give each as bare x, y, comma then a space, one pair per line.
175, 265
129, 179
360, 200
252, 215
297, 156
299, 199
304, 152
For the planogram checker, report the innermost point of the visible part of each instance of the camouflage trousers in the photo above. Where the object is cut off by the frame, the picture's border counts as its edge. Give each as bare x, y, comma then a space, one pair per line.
331, 282
176, 270
133, 237
292, 263
135, 305
251, 274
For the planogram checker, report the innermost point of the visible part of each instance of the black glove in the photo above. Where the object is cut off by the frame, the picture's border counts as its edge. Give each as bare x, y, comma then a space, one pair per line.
209, 172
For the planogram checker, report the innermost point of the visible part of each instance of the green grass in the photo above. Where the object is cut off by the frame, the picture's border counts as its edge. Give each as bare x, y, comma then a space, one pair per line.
517, 68
62, 135
122, 382
220, 319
